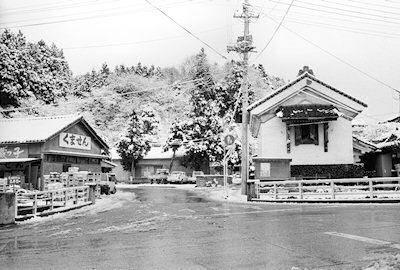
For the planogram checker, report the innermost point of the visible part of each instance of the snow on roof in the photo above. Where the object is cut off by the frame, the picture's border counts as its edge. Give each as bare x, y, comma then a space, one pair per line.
382, 135
33, 129
154, 153
299, 78
38, 129
114, 154
157, 153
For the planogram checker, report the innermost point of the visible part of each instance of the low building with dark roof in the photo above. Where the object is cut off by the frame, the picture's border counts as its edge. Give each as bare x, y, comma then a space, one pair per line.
35, 146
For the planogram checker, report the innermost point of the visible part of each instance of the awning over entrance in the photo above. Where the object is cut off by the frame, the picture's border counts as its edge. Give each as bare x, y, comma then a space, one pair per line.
78, 154
17, 160
307, 113
108, 164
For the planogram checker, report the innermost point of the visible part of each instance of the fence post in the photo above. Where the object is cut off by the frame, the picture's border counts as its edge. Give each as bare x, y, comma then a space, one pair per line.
275, 192
371, 189
76, 196
332, 190
65, 197
52, 200
300, 190
35, 204
92, 193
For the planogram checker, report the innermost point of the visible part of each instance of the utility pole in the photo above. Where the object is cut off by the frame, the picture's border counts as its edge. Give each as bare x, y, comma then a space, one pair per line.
244, 46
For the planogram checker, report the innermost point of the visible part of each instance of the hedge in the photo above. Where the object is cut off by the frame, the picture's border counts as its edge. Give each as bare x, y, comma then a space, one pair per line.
327, 171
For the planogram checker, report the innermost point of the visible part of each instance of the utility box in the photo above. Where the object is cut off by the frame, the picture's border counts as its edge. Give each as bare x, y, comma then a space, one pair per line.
272, 169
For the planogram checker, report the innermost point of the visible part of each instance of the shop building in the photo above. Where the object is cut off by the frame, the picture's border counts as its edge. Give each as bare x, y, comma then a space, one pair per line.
33, 147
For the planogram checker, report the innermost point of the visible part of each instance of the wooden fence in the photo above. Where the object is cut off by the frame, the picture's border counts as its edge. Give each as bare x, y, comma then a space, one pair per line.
352, 189
42, 203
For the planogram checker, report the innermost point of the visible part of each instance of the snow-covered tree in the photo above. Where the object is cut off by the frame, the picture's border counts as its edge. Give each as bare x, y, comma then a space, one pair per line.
30, 71
135, 144
201, 130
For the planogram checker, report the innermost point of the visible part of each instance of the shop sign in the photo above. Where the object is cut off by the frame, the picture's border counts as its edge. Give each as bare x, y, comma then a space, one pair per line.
76, 141
13, 152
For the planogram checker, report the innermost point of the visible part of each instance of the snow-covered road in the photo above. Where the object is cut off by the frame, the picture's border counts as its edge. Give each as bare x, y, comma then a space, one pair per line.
168, 227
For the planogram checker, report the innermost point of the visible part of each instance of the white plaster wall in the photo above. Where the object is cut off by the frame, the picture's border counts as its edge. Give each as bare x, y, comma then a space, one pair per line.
272, 144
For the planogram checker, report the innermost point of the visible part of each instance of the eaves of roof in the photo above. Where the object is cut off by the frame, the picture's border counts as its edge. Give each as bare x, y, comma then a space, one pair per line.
304, 75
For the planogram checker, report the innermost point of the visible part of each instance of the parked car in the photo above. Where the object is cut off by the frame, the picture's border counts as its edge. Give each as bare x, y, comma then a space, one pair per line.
192, 179
160, 177
177, 177
108, 183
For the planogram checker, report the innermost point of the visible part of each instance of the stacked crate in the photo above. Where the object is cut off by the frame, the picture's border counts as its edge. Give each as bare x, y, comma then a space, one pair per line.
50, 179
3, 184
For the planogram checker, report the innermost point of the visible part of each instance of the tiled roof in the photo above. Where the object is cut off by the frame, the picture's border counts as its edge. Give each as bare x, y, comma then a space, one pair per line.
37, 129
299, 78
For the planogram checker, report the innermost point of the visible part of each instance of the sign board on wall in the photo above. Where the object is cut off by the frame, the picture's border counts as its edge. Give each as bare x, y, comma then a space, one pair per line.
11, 151
76, 141
265, 169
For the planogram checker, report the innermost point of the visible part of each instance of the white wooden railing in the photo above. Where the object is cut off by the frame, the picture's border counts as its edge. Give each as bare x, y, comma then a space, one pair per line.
328, 189
47, 202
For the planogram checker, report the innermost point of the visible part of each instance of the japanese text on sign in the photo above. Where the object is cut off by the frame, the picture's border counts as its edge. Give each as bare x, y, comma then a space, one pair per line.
11, 152
76, 141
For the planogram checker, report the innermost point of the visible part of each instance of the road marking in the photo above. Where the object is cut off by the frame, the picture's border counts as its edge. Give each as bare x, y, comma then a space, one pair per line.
365, 239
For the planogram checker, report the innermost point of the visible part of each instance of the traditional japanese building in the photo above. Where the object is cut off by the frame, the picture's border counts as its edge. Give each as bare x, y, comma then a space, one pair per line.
35, 146
306, 122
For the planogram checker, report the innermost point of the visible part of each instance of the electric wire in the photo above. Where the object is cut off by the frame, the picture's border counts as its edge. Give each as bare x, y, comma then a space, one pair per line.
360, 7
338, 58
186, 30
136, 10
342, 27
339, 19
345, 29
275, 32
136, 42
338, 13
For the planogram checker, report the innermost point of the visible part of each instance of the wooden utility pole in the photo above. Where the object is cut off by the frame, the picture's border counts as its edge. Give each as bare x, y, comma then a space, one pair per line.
244, 46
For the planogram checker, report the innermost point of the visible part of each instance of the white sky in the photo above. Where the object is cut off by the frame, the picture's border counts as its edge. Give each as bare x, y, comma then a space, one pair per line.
364, 33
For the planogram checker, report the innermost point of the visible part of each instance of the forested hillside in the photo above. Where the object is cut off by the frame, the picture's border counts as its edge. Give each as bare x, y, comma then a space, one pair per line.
36, 80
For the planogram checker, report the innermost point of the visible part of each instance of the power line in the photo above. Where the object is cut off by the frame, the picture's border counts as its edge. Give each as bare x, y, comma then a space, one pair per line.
185, 2
350, 11
276, 31
345, 29
338, 58
313, 15
360, 7
55, 7
338, 13
189, 32
376, 5
136, 42
174, 4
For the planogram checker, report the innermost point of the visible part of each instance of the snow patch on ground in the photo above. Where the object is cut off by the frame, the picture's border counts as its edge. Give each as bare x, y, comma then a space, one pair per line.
389, 263
104, 204
60, 233
144, 225
232, 194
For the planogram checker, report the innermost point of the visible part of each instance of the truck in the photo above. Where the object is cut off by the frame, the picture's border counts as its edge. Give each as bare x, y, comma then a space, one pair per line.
108, 183
160, 177
192, 179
